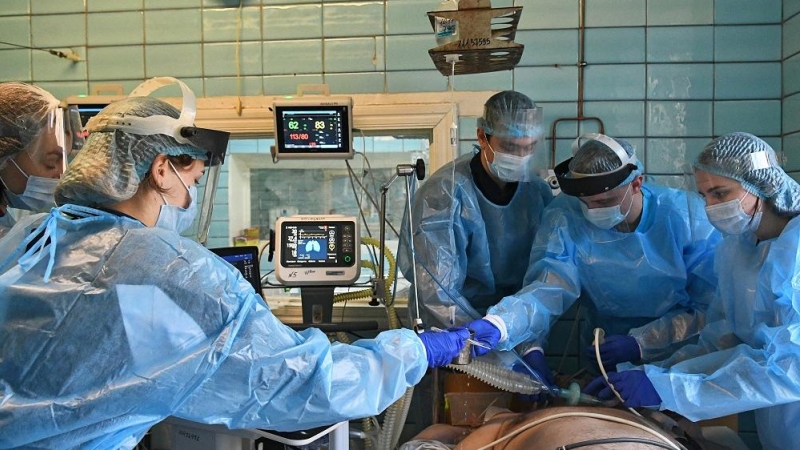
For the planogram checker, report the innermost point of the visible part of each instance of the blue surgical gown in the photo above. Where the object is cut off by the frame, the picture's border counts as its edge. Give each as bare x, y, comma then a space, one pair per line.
748, 356
653, 283
136, 324
471, 246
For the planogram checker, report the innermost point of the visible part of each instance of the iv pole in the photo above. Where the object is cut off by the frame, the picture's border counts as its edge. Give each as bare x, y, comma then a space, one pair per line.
403, 170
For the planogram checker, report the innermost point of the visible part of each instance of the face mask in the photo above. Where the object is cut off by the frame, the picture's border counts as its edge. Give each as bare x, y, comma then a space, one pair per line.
175, 218
39, 194
510, 168
6, 221
730, 218
608, 217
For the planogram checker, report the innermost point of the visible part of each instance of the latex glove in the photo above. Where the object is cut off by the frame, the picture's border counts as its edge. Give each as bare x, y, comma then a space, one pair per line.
616, 349
536, 360
485, 333
442, 347
633, 386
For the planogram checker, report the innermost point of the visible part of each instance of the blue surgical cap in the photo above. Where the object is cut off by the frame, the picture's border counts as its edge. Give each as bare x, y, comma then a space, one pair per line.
112, 164
753, 163
511, 114
595, 157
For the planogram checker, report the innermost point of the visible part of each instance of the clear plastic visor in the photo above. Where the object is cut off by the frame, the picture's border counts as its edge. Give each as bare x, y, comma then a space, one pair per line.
45, 156
517, 124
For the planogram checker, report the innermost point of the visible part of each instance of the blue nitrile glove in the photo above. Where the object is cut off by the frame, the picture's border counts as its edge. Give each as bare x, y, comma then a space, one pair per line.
442, 347
616, 349
485, 333
536, 360
633, 386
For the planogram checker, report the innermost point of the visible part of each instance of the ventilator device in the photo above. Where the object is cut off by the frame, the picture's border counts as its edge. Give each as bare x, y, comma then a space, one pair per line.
319, 250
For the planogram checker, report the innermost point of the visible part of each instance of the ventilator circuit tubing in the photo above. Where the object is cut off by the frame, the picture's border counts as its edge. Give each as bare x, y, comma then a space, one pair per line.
511, 381
500, 377
469, 311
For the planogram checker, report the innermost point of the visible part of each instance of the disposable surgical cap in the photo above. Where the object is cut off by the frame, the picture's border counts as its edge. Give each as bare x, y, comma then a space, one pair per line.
601, 164
595, 157
24, 112
753, 163
112, 164
511, 114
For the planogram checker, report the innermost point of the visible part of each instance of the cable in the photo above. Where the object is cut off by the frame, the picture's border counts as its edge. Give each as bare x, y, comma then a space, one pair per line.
351, 177
581, 414
369, 196
72, 56
614, 441
261, 252
596, 343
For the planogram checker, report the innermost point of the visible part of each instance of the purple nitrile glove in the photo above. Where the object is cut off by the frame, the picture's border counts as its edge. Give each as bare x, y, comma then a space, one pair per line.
633, 386
485, 333
536, 360
442, 347
616, 349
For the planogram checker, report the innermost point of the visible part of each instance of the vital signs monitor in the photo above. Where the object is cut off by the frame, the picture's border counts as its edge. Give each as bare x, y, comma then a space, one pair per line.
319, 128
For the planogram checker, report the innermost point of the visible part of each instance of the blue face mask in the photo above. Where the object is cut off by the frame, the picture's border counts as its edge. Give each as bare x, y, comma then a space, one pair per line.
39, 194
730, 218
510, 168
608, 217
176, 218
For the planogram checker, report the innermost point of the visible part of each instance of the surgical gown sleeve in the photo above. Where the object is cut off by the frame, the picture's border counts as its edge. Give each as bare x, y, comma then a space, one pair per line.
551, 284
278, 379
662, 337
762, 369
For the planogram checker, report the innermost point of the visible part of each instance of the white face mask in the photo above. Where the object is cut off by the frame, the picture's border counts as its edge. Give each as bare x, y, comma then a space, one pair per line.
730, 218
39, 194
176, 218
607, 217
510, 168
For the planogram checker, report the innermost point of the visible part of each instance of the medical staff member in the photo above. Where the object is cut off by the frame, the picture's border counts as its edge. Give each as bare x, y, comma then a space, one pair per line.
747, 355
475, 218
33, 149
641, 256
111, 321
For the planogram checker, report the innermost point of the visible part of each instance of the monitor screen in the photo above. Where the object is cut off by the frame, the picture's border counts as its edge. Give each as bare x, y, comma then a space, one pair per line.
313, 131
89, 110
308, 244
245, 260
317, 250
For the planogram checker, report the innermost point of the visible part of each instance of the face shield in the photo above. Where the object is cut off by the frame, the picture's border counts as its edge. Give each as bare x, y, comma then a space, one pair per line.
29, 177
580, 184
74, 130
213, 142
512, 140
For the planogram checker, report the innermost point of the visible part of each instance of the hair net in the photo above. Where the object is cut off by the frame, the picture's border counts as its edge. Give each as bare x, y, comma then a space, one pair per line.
752, 162
595, 157
112, 164
24, 110
511, 114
